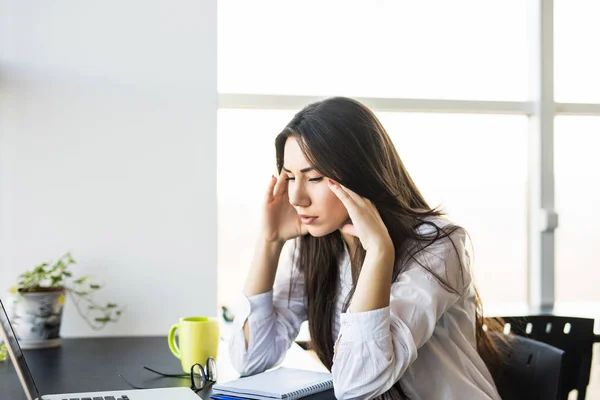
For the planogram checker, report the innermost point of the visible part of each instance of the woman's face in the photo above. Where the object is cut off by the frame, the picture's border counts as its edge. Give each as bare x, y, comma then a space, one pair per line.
310, 195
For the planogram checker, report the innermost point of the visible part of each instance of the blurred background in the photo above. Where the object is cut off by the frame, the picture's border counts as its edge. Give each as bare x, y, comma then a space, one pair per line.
139, 136
411, 60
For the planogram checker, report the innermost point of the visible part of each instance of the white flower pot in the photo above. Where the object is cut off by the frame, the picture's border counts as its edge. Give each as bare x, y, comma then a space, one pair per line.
37, 318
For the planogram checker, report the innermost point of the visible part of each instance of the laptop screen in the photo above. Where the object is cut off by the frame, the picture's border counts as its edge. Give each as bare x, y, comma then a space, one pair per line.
16, 355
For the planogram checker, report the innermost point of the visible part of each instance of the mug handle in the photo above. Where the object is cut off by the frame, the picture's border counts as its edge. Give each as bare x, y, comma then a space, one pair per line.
172, 345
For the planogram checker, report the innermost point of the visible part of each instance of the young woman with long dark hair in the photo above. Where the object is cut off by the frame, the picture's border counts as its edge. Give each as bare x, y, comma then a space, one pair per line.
383, 279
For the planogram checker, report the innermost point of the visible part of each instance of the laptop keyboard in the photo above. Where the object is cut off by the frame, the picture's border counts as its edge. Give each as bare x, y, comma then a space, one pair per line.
99, 398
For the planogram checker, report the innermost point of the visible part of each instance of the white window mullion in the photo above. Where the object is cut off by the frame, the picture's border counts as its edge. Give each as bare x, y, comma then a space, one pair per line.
296, 102
542, 218
577, 109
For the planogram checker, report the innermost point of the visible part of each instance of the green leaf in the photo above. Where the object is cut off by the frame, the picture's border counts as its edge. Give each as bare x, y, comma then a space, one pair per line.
80, 281
69, 258
111, 305
102, 319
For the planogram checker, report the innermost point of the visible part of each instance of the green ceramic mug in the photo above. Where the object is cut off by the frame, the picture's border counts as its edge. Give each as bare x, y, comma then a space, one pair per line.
198, 340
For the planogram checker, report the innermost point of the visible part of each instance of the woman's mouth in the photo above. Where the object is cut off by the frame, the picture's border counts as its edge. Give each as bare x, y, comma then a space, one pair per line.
307, 219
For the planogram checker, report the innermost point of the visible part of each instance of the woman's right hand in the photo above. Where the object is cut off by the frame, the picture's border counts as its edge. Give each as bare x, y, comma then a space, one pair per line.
280, 220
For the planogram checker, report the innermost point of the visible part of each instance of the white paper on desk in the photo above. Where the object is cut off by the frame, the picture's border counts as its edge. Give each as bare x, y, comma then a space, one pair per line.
280, 383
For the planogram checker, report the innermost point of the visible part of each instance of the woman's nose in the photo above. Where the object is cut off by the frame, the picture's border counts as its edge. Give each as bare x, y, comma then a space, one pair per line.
298, 197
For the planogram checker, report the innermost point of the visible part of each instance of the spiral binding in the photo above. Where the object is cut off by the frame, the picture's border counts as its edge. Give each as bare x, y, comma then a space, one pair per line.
307, 391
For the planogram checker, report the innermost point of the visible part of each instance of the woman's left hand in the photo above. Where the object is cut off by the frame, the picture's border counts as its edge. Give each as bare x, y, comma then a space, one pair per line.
366, 223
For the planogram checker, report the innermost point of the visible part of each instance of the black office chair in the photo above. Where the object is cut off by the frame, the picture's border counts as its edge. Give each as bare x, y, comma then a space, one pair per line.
573, 335
532, 370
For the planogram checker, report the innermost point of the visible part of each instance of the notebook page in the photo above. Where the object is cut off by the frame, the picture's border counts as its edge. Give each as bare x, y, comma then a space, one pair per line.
277, 384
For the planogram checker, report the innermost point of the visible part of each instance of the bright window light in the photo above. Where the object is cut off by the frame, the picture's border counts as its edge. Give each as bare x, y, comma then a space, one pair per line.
576, 33
461, 49
577, 140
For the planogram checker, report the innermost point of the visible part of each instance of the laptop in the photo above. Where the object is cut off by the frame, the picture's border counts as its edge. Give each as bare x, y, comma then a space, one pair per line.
31, 391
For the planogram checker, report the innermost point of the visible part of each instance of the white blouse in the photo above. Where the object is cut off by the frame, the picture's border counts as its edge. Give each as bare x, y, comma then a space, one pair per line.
425, 337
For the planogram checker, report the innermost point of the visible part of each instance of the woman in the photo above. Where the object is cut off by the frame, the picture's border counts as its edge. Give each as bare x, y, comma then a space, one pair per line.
383, 279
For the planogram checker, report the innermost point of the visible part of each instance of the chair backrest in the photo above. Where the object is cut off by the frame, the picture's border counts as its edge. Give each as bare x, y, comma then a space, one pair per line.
573, 335
532, 370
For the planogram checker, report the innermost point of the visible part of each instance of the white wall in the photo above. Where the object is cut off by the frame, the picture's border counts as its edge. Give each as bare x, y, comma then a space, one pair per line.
108, 150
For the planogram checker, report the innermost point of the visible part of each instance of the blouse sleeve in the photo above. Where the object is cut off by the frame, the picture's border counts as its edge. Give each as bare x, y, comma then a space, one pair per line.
274, 319
374, 348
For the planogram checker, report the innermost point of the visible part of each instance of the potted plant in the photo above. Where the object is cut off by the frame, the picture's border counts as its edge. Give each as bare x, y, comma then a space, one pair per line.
40, 295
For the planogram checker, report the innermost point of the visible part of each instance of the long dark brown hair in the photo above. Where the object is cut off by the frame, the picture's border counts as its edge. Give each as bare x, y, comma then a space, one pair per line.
344, 140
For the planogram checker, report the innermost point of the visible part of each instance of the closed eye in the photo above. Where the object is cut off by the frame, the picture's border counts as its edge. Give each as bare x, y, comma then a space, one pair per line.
310, 180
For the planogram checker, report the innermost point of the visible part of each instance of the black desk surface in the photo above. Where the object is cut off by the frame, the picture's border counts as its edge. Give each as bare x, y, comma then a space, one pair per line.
85, 365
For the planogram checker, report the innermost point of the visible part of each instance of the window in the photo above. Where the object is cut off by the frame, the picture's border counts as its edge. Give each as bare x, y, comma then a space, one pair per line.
576, 35
577, 140
245, 161
475, 166
461, 49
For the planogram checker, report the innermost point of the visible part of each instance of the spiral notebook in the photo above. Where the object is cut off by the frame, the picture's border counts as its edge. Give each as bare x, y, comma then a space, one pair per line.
282, 383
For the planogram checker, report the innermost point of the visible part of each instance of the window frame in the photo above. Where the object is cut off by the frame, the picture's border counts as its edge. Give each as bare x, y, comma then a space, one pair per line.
541, 109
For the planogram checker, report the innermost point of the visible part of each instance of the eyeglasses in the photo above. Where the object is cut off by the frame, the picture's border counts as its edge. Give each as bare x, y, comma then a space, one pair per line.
200, 376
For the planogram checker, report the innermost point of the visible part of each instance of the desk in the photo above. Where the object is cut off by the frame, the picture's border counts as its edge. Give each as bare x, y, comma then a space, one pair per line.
83, 365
